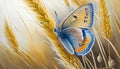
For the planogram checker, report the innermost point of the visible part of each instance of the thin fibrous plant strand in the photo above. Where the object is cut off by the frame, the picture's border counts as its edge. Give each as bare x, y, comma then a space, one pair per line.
89, 62
24, 24
84, 62
100, 46
116, 25
94, 59
113, 48
108, 49
100, 40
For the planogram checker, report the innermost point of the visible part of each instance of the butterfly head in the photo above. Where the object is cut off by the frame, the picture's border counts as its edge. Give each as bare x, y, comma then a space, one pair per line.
55, 30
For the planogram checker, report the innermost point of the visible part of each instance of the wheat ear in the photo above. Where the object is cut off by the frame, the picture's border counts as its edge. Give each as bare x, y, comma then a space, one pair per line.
104, 21
10, 37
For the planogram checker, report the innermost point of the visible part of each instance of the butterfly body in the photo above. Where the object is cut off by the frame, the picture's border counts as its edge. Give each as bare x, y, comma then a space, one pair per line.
74, 33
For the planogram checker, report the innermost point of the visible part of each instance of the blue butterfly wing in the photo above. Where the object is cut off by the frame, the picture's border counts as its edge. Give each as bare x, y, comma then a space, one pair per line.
67, 45
81, 17
87, 44
81, 40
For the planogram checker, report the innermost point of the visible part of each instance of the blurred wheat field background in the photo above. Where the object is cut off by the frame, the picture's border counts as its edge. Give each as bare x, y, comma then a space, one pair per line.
27, 39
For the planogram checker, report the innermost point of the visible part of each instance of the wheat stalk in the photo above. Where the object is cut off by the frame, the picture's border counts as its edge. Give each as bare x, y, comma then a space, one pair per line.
104, 21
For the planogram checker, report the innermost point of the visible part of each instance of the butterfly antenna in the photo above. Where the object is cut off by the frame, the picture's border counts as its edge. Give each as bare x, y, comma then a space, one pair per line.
57, 19
56, 15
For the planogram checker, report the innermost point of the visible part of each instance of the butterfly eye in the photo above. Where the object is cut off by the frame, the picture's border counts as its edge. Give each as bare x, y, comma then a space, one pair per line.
75, 16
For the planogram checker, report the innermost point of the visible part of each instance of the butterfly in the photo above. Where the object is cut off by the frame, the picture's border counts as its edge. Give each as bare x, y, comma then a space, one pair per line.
74, 31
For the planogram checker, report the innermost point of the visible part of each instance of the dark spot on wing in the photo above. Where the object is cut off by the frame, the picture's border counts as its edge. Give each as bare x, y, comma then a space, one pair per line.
85, 20
86, 17
86, 9
75, 16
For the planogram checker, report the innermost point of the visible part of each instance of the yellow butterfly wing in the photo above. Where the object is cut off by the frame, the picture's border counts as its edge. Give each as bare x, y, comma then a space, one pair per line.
81, 17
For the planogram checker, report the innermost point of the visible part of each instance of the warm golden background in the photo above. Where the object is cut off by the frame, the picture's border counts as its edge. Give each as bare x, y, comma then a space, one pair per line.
27, 40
